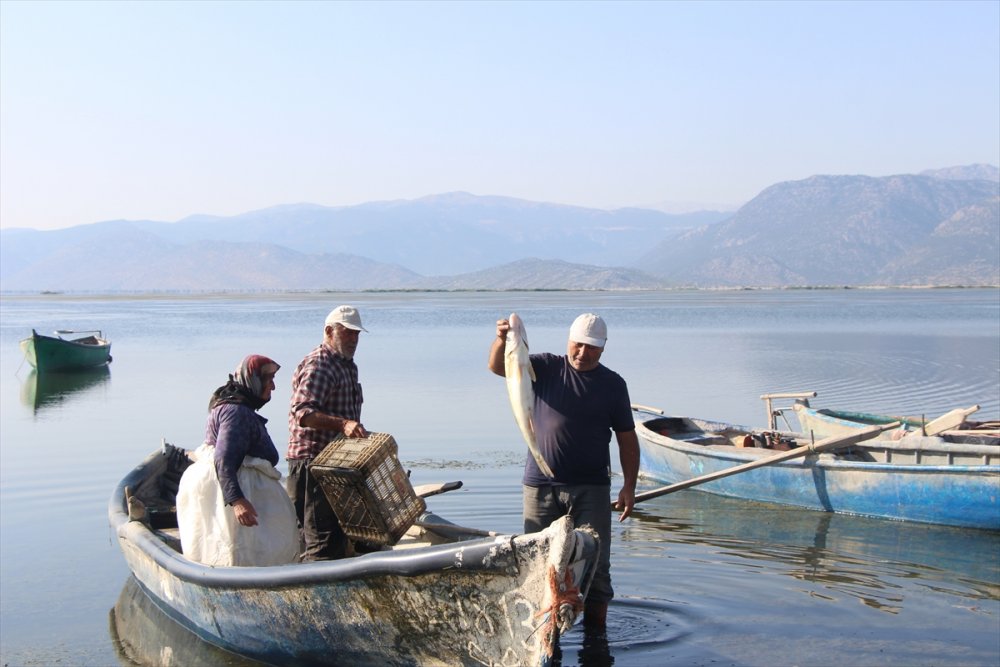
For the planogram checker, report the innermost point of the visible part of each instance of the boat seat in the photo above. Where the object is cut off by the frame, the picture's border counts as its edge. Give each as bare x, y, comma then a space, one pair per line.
700, 438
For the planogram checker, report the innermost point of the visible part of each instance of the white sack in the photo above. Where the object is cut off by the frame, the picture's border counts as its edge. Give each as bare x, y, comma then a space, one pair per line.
209, 531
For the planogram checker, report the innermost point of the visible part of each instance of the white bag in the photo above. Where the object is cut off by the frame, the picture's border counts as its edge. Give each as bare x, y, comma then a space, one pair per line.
209, 531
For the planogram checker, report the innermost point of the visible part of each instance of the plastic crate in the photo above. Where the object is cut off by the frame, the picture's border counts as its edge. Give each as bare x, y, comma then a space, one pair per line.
368, 488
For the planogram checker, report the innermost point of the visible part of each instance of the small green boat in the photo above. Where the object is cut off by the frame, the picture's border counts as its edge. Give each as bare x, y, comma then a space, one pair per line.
55, 353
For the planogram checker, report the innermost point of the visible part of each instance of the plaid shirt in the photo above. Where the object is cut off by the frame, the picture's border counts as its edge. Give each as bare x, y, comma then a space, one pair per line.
323, 382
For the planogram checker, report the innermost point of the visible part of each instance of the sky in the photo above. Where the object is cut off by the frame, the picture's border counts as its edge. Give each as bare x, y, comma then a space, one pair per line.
160, 110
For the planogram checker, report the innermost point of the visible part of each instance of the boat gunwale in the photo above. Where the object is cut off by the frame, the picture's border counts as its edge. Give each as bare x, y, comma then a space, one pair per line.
848, 420
101, 342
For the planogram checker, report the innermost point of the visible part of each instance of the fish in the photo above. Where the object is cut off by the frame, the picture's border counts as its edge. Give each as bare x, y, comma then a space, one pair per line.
519, 373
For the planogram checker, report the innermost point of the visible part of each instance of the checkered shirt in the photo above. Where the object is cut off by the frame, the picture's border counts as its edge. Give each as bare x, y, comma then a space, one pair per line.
323, 382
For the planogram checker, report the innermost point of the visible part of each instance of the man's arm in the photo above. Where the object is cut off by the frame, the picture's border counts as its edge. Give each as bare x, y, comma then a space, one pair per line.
628, 454
311, 383
324, 422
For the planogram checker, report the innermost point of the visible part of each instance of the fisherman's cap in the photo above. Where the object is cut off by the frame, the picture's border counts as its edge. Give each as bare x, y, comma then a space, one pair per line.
589, 329
347, 316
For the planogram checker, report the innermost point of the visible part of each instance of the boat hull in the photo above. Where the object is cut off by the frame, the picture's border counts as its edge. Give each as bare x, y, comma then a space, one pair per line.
956, 495
47, 353
479, 601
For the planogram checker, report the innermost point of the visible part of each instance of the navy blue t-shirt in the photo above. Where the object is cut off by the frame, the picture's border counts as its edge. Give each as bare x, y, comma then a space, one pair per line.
575, 413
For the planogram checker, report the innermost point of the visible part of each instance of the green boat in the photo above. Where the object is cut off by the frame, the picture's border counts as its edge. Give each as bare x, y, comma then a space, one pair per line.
55, 353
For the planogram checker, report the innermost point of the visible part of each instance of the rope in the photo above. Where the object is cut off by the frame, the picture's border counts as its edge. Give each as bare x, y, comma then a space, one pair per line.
564, 594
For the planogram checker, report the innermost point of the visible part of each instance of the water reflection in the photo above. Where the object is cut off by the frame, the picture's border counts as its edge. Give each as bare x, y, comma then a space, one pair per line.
649, 628
49, 389
867, 559
143, 635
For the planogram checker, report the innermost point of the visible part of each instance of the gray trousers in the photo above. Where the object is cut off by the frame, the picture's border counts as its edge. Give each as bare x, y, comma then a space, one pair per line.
587, 504
320, 533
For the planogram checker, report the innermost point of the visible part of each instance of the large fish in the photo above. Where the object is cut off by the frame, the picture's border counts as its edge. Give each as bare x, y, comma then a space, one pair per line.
517, 368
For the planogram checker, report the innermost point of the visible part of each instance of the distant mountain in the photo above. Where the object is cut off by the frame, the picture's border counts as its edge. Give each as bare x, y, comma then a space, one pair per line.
937, 228
424, 234
528, 274
125, 259
844, 230
972, 172
971, 234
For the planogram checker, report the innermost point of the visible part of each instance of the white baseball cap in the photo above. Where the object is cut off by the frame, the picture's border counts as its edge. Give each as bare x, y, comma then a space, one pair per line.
589, 329
347, 316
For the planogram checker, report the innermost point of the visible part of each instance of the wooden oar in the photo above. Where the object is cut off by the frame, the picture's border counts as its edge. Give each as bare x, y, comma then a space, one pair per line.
833, 442
425, 490
451, 529
948, 420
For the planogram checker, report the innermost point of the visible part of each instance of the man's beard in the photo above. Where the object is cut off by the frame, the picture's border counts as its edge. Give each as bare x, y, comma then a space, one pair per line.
339, 348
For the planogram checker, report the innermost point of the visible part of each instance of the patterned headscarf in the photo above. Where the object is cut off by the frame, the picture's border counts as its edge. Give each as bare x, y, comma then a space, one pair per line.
246, 383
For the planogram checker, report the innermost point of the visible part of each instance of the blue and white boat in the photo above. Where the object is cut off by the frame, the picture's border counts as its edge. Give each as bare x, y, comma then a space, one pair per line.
922, 479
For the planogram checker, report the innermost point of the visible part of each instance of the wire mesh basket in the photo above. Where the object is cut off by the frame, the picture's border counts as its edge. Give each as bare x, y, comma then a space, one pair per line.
368, 488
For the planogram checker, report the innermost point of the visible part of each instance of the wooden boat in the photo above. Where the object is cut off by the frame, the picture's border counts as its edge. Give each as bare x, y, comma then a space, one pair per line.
55, 353
918, 478
444, 594
825, 422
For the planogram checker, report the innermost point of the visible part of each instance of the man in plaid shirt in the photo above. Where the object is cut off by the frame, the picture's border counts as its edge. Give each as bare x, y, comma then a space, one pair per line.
326, 400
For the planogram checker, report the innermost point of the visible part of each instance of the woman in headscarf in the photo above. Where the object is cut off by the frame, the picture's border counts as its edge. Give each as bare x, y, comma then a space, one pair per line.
231, 506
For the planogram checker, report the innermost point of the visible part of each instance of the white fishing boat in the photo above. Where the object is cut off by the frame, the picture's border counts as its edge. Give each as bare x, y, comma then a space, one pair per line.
442, 594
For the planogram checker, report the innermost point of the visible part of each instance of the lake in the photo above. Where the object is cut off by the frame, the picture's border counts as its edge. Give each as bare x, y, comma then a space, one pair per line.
699, 579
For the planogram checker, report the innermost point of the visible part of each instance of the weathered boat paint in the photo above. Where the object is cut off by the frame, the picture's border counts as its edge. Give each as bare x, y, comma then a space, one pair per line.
917, 480
479, 601
48, 353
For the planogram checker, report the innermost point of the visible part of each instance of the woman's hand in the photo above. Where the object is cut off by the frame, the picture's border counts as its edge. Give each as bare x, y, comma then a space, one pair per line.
246, 515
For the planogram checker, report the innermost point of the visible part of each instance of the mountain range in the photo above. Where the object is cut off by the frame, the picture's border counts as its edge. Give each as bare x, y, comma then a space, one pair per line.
939, 227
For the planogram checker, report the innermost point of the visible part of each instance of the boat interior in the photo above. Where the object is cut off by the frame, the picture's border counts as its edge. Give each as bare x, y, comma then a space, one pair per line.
87, 340
153, 502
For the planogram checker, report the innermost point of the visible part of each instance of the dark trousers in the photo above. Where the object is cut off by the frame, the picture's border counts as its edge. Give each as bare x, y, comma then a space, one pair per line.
320, 533
589, 505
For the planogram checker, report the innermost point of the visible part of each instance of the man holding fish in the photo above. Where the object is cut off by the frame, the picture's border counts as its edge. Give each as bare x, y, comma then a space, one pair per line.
567, 407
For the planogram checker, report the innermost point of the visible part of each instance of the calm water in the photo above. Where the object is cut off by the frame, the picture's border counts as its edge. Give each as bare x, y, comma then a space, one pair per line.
700, 580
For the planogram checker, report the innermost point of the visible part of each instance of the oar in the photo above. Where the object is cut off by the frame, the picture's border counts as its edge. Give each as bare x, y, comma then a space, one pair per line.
824, 445
948, 420
425, 490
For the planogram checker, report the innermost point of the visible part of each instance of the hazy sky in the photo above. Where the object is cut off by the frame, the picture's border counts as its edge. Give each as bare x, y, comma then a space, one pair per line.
159, 110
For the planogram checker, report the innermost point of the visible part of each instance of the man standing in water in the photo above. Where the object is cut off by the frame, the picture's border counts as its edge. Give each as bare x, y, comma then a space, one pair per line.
326, 400
578, 403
